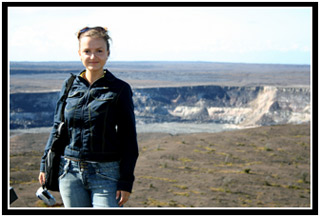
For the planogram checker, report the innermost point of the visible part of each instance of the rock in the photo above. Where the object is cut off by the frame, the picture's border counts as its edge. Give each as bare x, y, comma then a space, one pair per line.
245, 105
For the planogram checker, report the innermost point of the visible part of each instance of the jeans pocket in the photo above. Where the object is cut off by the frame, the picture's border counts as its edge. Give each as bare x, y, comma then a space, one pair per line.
108, 170
63, 168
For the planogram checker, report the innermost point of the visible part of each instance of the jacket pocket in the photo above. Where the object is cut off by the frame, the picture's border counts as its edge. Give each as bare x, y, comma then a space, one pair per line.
73, 99
102, 98
102, 94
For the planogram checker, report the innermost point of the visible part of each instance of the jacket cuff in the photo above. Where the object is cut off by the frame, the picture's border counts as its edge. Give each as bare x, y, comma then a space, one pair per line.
42, 167
125, 186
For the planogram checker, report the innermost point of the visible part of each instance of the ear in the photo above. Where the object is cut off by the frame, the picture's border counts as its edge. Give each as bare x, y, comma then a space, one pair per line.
79, 52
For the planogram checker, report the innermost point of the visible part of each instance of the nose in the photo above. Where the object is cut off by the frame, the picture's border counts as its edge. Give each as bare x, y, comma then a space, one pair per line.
92, 55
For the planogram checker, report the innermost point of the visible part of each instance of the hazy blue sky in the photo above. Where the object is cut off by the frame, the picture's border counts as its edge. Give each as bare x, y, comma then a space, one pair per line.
218, 34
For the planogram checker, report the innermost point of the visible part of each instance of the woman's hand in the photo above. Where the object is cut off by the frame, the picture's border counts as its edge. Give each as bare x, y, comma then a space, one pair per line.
124, 197
42, 178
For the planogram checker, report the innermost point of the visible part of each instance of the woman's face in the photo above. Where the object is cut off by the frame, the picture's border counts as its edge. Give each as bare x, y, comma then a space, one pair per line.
93, 53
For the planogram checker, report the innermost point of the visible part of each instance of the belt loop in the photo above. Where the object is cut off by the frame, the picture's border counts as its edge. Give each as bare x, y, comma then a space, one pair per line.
83, 165
80, 165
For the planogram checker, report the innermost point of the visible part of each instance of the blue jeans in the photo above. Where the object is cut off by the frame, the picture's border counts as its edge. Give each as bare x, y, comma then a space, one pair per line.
86, 184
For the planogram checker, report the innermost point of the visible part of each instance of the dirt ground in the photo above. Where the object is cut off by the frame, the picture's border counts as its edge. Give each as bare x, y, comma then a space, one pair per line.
260, 167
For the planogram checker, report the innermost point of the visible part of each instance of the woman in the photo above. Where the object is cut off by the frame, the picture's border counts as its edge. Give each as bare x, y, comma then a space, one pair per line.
98, 164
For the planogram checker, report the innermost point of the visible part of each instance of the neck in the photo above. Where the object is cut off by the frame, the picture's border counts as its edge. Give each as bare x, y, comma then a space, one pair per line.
92, 76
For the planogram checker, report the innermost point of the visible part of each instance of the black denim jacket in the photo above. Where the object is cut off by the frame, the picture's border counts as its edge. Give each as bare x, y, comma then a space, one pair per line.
101, 125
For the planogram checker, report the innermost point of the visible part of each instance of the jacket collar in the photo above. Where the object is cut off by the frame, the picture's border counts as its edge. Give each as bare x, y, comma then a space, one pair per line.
109, 77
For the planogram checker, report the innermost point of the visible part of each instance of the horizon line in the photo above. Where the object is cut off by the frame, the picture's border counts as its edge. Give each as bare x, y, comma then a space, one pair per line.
168, 61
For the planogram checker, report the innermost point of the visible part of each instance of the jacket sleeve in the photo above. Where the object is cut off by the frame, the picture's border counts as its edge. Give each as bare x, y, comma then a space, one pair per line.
56, 122
127, 138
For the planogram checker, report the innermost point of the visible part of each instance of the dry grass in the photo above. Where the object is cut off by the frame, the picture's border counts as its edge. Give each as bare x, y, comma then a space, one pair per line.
261, 167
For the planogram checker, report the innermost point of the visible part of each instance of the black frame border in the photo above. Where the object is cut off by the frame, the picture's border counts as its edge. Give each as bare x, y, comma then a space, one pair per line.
161, 211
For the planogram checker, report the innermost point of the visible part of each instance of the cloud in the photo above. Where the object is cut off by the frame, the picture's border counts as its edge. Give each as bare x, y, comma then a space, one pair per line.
156, 33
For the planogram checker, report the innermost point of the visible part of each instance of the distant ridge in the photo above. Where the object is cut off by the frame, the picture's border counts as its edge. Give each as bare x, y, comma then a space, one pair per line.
237, 74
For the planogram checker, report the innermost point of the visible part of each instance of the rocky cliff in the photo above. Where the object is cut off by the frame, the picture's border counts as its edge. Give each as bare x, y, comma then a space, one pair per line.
243, 106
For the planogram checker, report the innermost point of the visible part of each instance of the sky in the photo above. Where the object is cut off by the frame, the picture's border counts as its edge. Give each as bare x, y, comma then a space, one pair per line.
216, 34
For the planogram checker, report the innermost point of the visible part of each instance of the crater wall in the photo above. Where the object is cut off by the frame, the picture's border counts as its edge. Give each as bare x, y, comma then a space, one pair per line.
243, 106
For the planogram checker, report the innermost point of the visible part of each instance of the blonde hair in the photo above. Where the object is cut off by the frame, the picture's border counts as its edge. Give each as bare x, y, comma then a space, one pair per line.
95, 32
